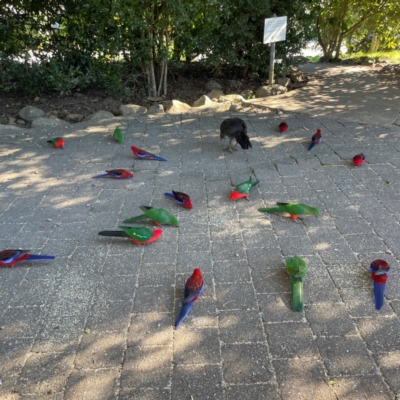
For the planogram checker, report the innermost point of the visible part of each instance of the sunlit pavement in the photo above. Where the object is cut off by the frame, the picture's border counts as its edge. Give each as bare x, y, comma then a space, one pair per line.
97, 322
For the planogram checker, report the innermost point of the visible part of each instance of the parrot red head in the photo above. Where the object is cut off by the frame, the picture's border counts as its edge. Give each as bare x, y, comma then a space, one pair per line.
236, 195
59, 144
283, 126
197, 272
187, 204
319, 133
380, 267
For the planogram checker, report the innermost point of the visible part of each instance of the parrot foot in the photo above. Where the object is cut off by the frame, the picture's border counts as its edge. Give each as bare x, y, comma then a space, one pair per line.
247, 198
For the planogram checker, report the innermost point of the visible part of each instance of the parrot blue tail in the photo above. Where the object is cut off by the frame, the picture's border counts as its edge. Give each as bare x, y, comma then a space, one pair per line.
100, 176
170, 195
379, 293
34, 257
312, 144
183, 313
158, 158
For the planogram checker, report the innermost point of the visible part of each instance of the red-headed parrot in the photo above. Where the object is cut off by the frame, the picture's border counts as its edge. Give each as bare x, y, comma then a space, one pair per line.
243, 189
57, 142
10, 257
181, 198
138, 234
379, 271
145, 155
158, 215
193, 288
297, 269
359, 159
283, 127
116, 173
316, 139
294, 209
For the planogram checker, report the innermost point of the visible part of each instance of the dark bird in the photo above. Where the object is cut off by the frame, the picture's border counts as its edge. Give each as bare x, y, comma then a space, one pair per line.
235, 130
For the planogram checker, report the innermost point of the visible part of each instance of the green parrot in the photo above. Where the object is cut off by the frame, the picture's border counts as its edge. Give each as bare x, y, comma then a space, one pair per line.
118, 135
297, 270
243, 189
294, 209
158, 215
138, 234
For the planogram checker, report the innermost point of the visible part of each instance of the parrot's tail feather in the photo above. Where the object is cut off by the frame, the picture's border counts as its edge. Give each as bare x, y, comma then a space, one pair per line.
49, 141
297, 293
134, 219
255, 183
273, 209
159, 158
379, 293
100, 176
170, 195
34, 257
113, 233
311, 146
183, 313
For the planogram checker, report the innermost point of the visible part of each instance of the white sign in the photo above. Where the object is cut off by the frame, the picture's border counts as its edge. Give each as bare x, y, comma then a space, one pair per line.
275, 29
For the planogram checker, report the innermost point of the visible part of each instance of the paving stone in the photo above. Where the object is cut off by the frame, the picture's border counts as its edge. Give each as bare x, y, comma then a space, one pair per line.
256, 392
58, 367
234, 326
235, 297
202, 381
302, 378
147, 367
21, 322
153, 299
92, 384
356, 387
246, 363
324, 320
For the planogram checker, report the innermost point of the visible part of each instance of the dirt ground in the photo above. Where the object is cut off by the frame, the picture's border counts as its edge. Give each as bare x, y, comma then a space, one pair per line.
186, 85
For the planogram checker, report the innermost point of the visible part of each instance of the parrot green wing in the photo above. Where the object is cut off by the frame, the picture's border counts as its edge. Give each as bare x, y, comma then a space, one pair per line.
297, 269
298, 209
296, 266
297, 293
140, 233
160, 215
118, 135
245, 187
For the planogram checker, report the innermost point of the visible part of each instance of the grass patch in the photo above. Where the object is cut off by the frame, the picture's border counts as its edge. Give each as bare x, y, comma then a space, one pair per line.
388, 56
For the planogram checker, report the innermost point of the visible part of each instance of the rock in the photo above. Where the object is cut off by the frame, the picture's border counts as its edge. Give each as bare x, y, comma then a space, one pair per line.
234, 98
36, 99
78, 95
202, 101
247, 94
296, 85
30, 113
253, 75
235, 84
235, 107
213, 85
52, 122
99, 115
215, 94
129, 109
156, 109
74, 117
283, 81
176, 107
265, 91
112, 105
20, 122
295, 74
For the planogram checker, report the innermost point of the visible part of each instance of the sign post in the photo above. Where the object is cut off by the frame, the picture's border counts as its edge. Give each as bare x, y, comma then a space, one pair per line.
274, 31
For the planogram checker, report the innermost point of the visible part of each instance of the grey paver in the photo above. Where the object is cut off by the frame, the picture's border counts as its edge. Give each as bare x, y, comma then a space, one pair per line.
98, 321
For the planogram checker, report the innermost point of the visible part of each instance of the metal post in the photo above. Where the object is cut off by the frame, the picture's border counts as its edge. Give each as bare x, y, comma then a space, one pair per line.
271, 64
271, 61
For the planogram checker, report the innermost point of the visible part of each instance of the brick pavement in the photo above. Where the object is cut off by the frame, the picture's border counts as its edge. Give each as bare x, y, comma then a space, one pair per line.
97, 322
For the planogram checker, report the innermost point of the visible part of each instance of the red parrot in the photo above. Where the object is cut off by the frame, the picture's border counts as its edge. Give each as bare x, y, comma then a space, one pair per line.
181, 198
359, 159
10, 257
316, 139
57, 142
194, 286
116, 173
379, 271
283, 126
145, 155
